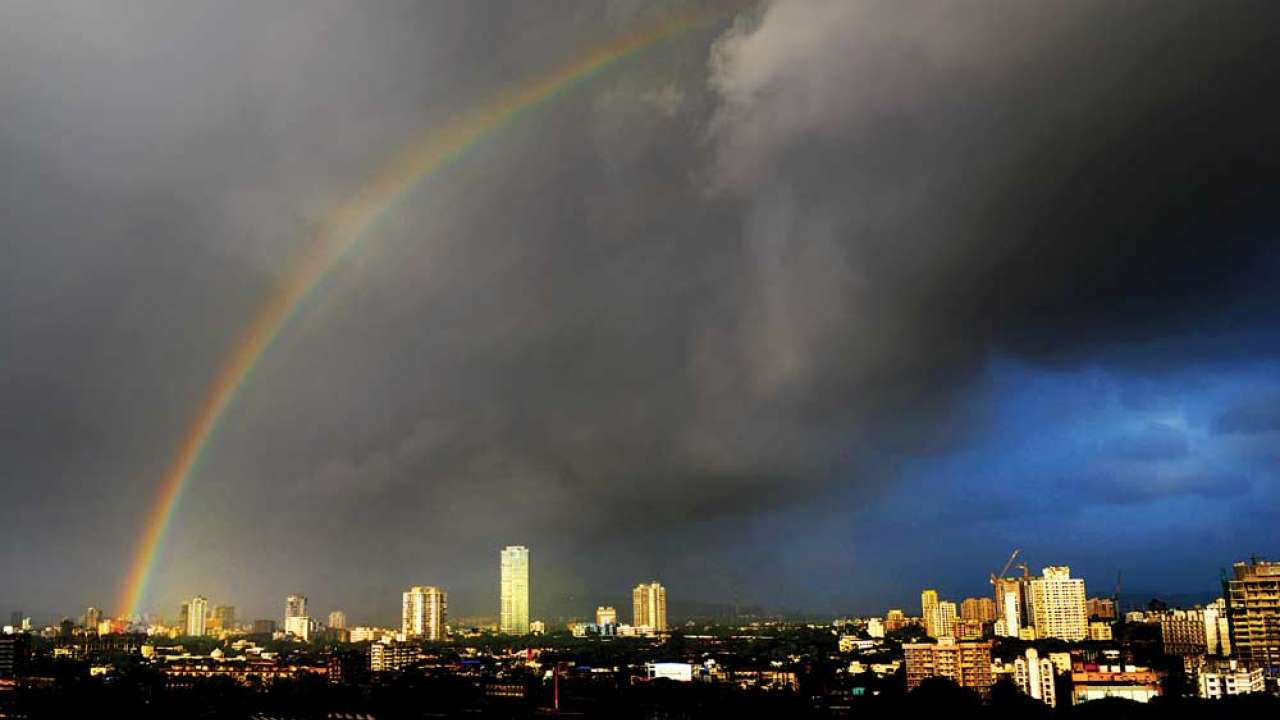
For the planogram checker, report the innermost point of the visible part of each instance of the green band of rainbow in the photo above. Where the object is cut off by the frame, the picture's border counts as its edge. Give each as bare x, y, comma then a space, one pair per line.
337, 235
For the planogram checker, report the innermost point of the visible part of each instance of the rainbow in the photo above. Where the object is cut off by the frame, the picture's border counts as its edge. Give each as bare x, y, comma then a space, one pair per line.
335, 238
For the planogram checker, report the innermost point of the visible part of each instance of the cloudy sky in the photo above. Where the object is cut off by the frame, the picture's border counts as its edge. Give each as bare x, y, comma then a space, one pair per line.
811, 307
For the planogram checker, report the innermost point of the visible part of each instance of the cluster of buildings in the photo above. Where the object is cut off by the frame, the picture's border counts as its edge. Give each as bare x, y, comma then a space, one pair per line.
1229, 647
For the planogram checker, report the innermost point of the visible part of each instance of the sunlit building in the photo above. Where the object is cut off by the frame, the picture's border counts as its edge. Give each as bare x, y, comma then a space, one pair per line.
295, 606
1008, 602
1253, 607
337, 620
1101, 608
513, 610
1058, 607
649, 606
197, 610
423, 613
1034, 676
968, 664
606, 616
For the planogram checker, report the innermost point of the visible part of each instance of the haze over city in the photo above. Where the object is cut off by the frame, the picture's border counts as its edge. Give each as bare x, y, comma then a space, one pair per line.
798, 305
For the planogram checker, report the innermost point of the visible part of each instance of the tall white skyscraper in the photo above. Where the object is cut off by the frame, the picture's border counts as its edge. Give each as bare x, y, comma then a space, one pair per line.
197, 609
649, 606
1058, 605
513, 610
423, 613
946, 618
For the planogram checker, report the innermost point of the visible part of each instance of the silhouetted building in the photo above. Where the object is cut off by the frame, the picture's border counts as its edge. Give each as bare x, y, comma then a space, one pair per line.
349, 667
264, 627
15, 654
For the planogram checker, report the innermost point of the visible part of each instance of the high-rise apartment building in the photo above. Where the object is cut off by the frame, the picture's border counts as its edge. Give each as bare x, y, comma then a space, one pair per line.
929, 613
968, 664
606, 616
197, 610
513, 610
93, 616
981, 609
1253, 610
649, 606
1191, 632
1057, 602
1034, 676
423, 613
946, 618
225, 615
1009, 606
338, 620
295, 606
1101, 608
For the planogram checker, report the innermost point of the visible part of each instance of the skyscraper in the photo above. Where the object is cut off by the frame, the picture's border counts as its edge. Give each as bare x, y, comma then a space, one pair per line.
513, 610
1058, 605
92, 617
1008, 604
423, 612
931, 615
946, 618
295, 606
226, 616
338, 620
649, 606
1253, 612
197, 609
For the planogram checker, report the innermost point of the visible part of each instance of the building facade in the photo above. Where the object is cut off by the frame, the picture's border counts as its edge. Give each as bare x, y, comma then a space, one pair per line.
513, 611
1034, 676
1253, 610
606, 616
197, 612
423, 612
649, 606
295, 606
338, 620
968, 664
1058, 605
1221, 678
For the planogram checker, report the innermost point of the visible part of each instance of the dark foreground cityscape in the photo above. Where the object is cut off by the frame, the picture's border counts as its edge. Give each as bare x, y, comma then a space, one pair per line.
1037, 647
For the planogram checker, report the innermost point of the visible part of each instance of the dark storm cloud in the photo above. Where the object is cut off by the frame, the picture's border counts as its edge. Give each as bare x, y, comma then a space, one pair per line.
750, 264
1253, 416
1157, 441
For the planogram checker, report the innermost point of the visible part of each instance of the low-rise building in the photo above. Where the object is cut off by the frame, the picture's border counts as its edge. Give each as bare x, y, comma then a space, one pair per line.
1094, 682
1220, 678
968, 664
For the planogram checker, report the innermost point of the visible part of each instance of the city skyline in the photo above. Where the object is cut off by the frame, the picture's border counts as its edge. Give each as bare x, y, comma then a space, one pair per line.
804, 306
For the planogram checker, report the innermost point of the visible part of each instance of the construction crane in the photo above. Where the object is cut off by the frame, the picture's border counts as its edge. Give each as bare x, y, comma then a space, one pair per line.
1012, 556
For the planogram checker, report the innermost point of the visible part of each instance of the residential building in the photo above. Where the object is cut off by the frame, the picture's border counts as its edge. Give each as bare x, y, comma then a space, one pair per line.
300, 626
264, 627
982, 609
337, 620
1100, 631
968, 664
606, 616
1090, 681
1034, 676
649, 606
225, 616
1221, 677
1101, 608
875, 628
1190, 632
388, 657
295, 606
1008, 605
895, 619
423, 613
1253, 609
1058, 605
197, 612
93, 616
513, 611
